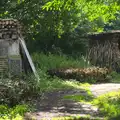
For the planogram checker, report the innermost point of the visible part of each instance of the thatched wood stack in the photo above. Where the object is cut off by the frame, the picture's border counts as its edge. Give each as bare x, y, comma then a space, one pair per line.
104, 50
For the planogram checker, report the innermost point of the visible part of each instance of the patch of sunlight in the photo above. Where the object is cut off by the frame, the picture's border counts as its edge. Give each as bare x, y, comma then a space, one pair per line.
77, 84
86, 97
87, 117
6, 117
109, 104
80, 98
107, 97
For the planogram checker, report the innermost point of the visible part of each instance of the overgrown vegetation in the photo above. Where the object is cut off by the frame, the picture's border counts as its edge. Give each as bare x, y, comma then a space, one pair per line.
58, 29
59, 25
108, 104
86, 98
15, 113
51, 61
14, 91
17, 89
74, 118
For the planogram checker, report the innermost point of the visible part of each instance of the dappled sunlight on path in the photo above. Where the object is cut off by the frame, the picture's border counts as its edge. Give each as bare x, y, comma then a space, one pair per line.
53, 105
99, 89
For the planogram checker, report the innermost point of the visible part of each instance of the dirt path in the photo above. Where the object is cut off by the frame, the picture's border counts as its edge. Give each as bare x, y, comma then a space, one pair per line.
99, 89
53, 104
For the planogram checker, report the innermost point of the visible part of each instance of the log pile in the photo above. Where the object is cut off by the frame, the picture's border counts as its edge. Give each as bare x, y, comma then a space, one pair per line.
81, 74
9, 29
104, 50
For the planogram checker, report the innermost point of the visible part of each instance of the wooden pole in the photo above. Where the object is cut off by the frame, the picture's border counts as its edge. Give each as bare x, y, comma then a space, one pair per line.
23, 45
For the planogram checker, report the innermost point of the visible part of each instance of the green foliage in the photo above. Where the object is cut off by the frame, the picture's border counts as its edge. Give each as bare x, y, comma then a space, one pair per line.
47, 83
15, 113
80, 98
60, 23
14, 91
45, 62
115, 77
73, 118
109, 104
99, 12
86, 97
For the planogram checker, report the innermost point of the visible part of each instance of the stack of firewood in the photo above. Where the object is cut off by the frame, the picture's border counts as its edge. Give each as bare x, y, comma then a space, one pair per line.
81, 74
9, 29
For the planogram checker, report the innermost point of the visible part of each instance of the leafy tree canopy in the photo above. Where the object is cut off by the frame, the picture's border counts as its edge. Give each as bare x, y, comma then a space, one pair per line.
60, 16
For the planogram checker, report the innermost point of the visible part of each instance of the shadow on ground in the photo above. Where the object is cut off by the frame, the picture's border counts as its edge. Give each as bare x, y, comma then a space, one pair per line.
52, 104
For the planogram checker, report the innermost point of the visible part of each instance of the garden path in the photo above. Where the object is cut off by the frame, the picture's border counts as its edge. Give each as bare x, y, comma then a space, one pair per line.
53, 104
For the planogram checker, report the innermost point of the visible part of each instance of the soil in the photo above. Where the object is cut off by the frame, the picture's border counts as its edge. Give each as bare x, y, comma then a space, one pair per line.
52, 104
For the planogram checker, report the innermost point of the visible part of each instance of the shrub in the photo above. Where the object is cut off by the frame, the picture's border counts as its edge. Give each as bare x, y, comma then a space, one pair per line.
109, 104
14, 91
15, 113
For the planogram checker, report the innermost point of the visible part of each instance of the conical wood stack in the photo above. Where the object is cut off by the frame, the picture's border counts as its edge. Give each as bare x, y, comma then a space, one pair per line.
104, 50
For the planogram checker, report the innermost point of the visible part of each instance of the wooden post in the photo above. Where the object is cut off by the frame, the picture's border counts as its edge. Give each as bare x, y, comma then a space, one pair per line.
22, 43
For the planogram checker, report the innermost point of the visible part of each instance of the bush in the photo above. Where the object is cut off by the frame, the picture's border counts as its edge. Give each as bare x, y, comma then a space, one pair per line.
109, 104
15, 113
14, 91
115, 77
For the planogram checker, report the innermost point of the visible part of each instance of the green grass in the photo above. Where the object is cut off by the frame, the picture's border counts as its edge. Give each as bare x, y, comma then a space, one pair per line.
86, 97
44, 62
72, 118
109, 105
15, 113
51, 61
77, 117
47, 83
79, 98
115, 77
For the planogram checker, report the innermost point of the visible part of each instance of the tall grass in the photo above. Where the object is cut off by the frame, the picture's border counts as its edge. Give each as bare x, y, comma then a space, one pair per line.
50, 61
43, 62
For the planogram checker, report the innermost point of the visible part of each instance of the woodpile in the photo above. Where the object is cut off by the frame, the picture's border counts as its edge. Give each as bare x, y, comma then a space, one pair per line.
9, 29
104, 50
81, 74
13, 49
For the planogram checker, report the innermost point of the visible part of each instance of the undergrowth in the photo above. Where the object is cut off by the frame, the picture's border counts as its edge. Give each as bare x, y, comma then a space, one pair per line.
47, 83
73, 118
15, 113
85, 97
19, 89
108, 104
50, 61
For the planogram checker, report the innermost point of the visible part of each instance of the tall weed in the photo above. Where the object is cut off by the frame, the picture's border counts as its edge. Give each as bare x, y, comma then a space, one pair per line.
50, 61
